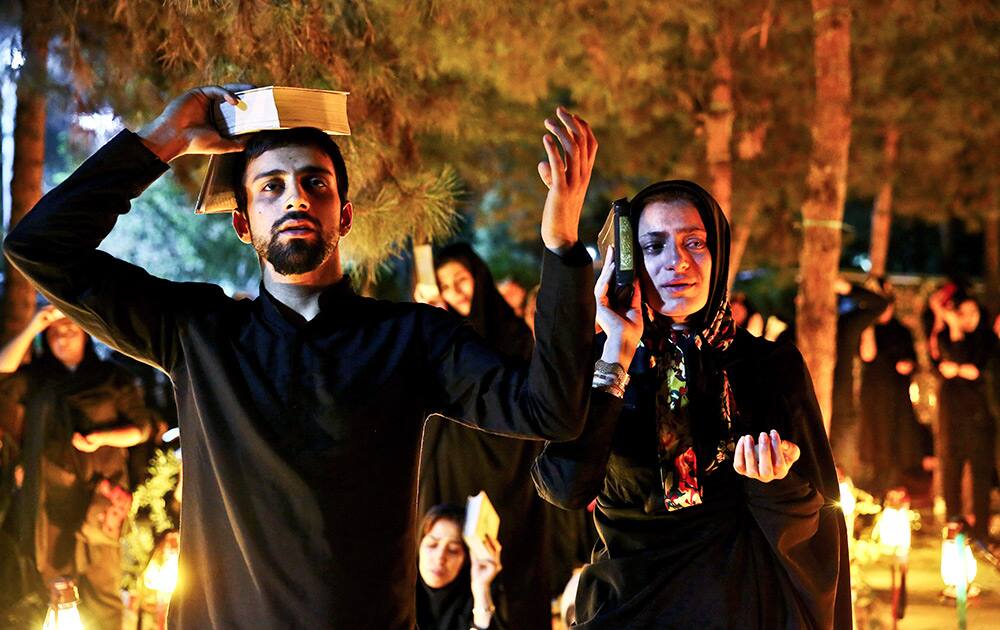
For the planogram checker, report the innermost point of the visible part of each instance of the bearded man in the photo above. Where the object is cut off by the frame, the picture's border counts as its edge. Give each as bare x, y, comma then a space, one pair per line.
301, 411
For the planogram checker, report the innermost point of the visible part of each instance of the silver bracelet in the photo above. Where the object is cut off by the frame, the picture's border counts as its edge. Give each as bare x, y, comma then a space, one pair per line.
610, 378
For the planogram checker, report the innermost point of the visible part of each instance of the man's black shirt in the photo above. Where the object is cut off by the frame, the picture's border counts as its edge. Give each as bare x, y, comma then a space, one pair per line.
300, 439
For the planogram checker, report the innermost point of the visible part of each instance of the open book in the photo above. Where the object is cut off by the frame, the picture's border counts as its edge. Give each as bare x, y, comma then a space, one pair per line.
273, 107
481, 521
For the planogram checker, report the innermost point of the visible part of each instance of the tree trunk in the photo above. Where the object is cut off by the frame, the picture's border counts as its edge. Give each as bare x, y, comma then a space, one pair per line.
882, 212
991, 257
826, 187
29, 159
741, 236
719, 121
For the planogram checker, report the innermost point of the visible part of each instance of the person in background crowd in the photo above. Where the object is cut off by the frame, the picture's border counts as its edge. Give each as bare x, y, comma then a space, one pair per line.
458, 462
81, 416
746, 315
529, 308
893, 443
858, 309
454, 589
514, 294
705, 447
966, 428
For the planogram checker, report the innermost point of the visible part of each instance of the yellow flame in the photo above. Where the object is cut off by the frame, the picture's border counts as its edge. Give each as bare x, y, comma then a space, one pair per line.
951, 566
67, 618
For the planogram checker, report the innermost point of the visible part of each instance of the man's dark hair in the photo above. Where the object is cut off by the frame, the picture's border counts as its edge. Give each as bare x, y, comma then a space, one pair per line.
263, 141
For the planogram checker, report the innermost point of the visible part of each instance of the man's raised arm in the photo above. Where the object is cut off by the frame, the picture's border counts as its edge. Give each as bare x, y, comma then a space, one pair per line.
549, 400
55, 244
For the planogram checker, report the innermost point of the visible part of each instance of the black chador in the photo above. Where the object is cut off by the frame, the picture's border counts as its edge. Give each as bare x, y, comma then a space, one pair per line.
458, 462
687, 542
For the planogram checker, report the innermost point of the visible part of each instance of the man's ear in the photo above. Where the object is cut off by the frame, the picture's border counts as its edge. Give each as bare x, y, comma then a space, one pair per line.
241, 224
346, 218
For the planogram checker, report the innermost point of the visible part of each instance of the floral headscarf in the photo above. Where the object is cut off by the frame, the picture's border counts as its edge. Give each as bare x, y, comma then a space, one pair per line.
689, 448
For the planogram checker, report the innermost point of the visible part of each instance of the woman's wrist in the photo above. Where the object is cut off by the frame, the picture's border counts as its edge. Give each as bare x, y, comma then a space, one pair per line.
617, 350
482, 606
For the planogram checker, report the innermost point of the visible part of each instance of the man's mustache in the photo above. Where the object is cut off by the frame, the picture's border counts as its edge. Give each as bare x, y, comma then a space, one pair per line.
299, 216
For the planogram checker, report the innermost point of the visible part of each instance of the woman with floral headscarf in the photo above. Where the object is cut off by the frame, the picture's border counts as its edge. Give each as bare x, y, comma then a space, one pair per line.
716, 489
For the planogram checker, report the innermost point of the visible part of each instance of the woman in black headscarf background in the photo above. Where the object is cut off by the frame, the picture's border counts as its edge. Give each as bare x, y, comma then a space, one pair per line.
457, 462
454, 589
715, 484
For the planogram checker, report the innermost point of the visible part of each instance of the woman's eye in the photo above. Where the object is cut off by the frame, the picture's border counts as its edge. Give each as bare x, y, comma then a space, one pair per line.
695, 243
652, 248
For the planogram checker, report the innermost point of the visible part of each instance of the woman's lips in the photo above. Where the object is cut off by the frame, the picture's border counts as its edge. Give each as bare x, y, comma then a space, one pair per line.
677, 287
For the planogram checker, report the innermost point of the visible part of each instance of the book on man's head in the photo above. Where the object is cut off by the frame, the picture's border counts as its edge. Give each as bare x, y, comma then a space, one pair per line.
278, 107
261, 109
481, 522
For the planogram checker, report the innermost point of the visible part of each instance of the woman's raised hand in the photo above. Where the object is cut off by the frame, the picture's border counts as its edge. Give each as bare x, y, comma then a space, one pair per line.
623, 326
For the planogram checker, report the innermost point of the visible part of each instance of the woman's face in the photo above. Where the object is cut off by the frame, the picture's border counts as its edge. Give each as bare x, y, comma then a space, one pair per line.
677, 264
67, 342
457, 286
968, 315
441, 554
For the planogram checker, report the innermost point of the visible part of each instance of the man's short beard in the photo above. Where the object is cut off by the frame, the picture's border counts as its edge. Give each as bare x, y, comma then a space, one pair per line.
294, 256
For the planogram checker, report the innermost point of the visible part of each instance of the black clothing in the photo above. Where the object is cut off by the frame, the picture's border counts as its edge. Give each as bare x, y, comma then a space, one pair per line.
457, 462
892, 441
753, 555
450, 607
300, 438
723, 551
859, 309
489, 314
966, 428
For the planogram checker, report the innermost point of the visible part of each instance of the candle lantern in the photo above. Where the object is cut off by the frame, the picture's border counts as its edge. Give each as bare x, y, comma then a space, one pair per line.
63, 613
160, 578
893, 532
958, 568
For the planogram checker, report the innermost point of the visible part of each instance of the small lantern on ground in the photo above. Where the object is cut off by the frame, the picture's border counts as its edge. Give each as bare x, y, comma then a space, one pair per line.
958, 567
160, 577
893, 531
63, 613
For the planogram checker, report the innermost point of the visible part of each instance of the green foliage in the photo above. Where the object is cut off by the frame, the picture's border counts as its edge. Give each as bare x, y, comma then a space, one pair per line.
163, 235
463, 86
150, 517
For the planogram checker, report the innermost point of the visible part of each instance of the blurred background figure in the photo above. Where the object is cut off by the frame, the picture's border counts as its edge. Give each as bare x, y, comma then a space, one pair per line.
892, 442
858, 308
457, 462
514, 294
81, 414
746, 315
964, 344
454, 589
529, 308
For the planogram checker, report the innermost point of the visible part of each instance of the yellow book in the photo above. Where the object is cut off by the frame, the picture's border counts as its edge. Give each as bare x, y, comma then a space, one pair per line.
260, 109
481, 522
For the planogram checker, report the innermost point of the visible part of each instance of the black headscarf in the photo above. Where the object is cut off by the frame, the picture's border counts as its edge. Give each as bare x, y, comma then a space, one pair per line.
716, 225
691, 365
445, 608
490, 315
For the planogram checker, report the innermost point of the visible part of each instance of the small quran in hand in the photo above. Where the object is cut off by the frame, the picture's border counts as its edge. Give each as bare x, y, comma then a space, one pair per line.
260, 109
481, 522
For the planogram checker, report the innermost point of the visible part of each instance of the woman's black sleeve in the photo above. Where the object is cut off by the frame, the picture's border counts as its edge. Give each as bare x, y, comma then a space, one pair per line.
570, 474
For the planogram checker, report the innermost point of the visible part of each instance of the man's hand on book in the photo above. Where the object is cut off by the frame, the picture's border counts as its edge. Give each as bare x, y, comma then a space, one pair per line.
566, 177
186, 126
